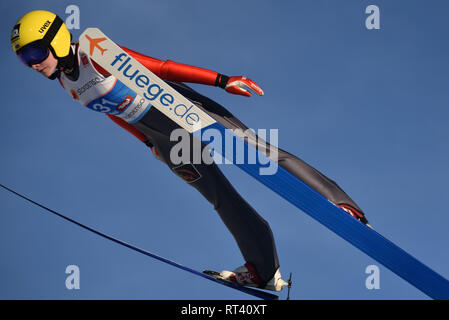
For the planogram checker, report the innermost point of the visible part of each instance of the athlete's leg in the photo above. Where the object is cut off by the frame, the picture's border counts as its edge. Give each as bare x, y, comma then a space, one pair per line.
306, 173
251, 232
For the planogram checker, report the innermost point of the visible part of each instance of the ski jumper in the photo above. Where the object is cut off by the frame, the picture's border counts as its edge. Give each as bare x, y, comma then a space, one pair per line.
101, 92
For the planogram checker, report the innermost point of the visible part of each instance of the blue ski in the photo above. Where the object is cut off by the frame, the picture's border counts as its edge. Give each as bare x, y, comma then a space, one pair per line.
334, 218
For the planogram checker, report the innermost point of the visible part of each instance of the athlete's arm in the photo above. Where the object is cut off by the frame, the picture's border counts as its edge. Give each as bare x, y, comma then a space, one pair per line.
174, 71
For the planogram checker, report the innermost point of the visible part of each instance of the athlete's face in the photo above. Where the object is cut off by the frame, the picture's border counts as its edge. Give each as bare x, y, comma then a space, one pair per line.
46, 67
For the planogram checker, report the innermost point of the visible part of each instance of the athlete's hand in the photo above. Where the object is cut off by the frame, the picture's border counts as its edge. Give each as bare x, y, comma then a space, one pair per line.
242, 86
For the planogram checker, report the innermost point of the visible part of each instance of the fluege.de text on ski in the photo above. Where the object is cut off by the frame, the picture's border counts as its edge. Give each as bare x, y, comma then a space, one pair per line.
154, 91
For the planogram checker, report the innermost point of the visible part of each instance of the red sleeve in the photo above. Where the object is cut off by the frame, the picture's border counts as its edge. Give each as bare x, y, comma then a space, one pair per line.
125, 125
170, 70
100, 69
174, 71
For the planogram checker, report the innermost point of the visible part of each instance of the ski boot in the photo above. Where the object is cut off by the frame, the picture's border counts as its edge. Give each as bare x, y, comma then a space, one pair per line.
246, 276
355, 214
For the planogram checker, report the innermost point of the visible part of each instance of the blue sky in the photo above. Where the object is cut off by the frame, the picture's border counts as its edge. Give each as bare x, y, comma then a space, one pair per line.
369, 108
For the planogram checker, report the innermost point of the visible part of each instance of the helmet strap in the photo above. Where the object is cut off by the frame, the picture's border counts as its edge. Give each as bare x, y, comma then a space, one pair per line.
48, 38
52, 31
68, 65
55, 74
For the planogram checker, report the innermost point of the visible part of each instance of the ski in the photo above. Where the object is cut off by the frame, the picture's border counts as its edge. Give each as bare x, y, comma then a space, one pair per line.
113, 59
253, 292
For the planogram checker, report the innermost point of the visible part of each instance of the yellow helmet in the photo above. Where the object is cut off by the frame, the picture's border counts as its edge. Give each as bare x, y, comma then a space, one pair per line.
44, 27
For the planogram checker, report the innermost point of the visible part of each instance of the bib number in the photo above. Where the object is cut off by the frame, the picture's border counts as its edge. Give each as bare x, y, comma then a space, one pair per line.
106, 106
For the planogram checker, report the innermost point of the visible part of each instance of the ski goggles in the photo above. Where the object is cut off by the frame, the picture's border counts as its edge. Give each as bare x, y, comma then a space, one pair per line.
37, 51
33, 53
